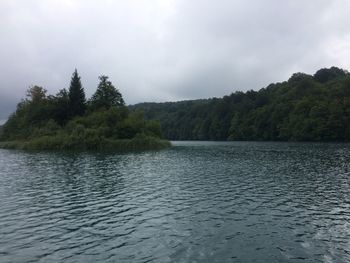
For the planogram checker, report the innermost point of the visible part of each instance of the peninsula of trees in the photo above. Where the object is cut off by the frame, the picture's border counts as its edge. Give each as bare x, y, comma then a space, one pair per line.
304, 108
68, 121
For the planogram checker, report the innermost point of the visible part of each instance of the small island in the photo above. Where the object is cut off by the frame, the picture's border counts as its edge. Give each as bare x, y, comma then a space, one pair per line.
68, 121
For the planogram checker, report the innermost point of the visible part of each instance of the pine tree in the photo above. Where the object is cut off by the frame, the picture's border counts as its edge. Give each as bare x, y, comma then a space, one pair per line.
106, 95
77, 101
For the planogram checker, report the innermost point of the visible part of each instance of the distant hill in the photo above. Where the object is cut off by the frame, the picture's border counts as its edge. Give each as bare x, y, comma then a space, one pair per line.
304, 108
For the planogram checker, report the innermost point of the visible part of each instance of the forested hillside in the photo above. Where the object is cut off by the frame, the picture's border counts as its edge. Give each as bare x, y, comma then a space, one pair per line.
304, 108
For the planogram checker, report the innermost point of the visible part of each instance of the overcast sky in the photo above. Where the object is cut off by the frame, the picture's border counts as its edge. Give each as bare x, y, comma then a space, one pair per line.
167, 50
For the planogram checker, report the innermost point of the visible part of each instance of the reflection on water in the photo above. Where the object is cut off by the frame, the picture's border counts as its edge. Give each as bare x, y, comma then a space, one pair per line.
196, 202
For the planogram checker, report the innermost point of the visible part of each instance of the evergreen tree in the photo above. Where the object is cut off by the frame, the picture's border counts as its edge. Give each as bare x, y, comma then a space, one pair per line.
77, 101
60, 108
106, 95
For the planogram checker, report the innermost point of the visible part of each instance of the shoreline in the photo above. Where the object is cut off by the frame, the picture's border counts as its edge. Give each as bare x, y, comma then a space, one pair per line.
49, 144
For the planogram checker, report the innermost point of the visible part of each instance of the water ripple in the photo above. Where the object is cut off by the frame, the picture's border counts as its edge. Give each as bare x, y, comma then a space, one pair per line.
196, 202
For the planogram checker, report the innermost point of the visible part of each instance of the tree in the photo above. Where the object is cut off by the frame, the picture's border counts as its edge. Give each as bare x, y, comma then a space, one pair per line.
60, 107
36, 93
326, 74
106, 95
77, 101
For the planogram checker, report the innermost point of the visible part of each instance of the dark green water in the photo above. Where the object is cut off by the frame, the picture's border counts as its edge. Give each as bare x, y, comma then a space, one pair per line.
196, 202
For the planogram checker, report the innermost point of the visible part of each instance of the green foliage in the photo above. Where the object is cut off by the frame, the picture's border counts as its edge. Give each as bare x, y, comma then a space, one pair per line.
60, 107
43, 122
36, 93
106, 95
49, 129
77, 101
304, 108
324, 75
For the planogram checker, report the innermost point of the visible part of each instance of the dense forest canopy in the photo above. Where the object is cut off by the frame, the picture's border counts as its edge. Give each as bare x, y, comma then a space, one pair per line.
304, 108
68, 121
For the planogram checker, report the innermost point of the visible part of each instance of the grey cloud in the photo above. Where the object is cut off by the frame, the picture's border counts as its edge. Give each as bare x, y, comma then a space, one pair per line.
165, 50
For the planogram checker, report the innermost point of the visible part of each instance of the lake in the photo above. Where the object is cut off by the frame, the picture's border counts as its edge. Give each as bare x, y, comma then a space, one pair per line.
195, 202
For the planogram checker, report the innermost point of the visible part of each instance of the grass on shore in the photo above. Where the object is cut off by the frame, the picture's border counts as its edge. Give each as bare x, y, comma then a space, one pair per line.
81, 144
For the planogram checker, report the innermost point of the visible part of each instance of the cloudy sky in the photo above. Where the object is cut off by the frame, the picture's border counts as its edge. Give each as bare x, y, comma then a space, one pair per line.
166, 50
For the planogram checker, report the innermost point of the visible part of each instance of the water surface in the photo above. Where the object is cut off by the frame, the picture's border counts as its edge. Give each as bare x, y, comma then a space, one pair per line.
196, 202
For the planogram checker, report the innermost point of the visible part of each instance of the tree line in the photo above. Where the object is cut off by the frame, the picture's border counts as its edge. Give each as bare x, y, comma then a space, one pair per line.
68, 120
304, 108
